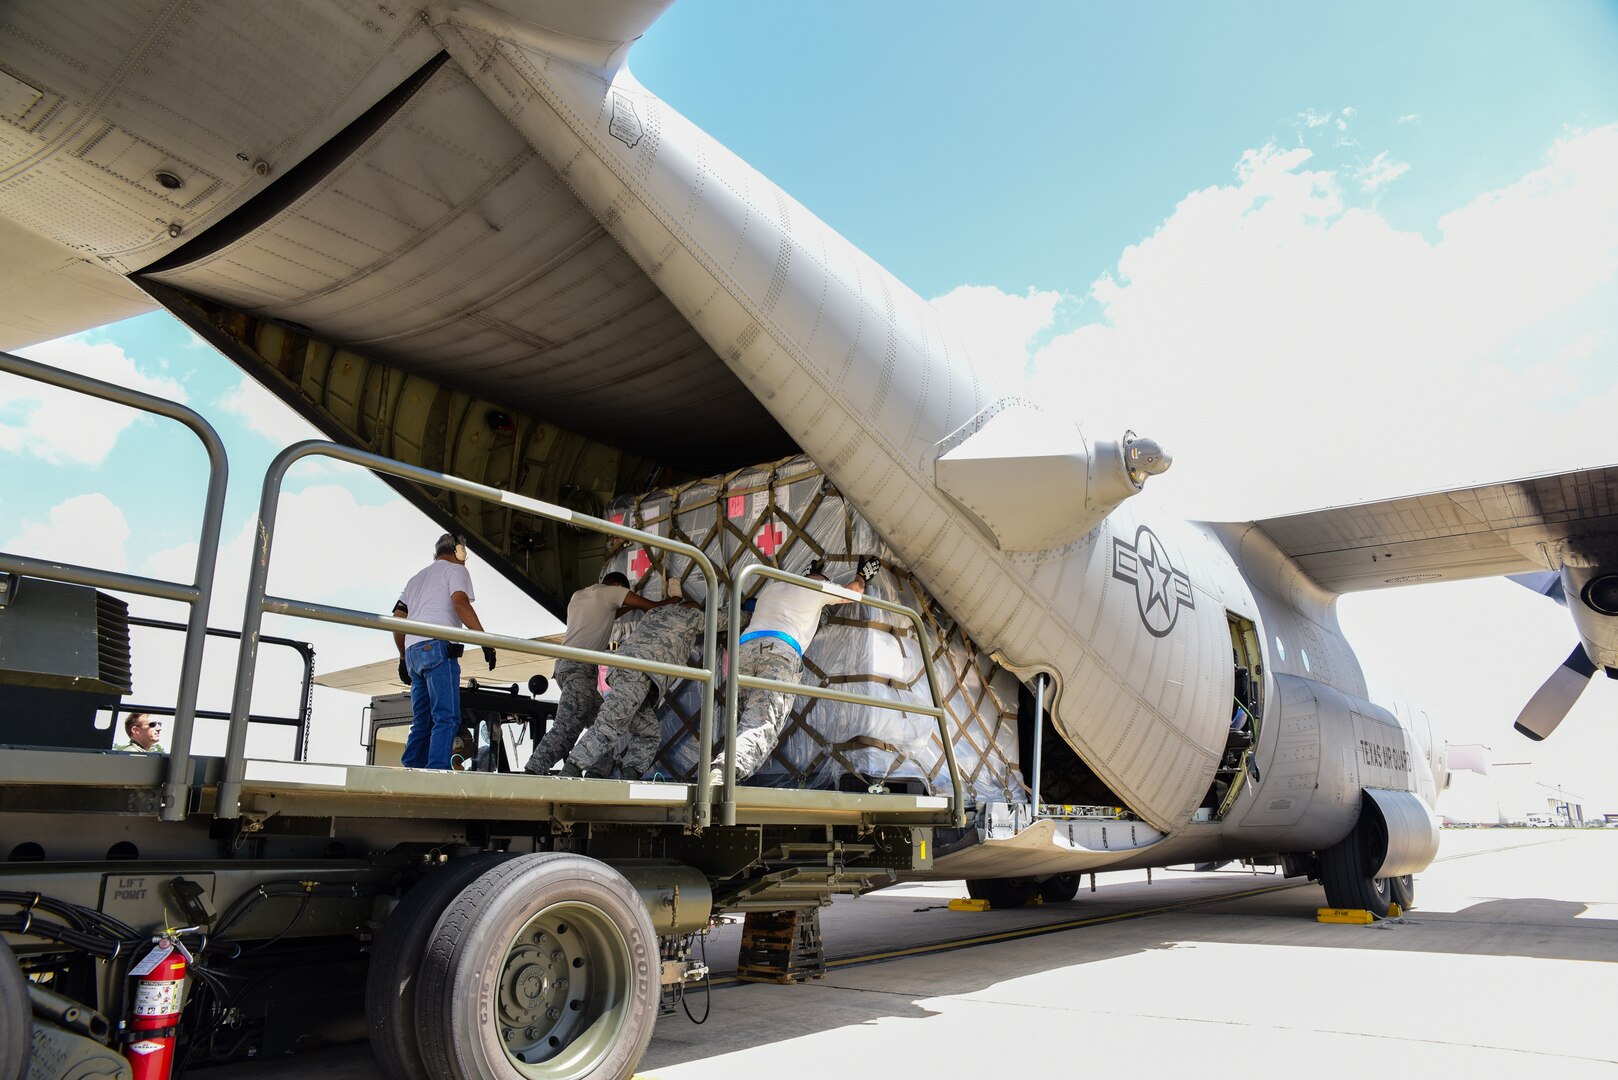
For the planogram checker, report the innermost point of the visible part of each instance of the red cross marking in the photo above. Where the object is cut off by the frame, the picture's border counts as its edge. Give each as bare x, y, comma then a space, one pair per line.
736, 506
639, 564
769, 541
617, 519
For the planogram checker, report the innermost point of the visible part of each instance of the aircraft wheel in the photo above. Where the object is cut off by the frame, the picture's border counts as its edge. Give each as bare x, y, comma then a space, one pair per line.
16, 1018
1345, 871
545, 967
1404, 891
1060, 889
392, 982
1003, 892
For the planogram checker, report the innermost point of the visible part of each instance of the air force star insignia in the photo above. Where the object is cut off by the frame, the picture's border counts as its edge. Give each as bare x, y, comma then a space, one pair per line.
1160, 590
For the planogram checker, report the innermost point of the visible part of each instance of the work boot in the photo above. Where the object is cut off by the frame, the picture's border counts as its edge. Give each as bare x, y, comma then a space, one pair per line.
569, 769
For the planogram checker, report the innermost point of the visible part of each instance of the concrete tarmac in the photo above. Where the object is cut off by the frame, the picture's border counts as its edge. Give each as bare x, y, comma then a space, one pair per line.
1507, 967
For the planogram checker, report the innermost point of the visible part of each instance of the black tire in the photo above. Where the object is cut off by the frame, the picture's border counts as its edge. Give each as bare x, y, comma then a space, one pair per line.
1345, 869
1060, 889
16, 1018
1404, 891
546, 966
1012, 892
392, 981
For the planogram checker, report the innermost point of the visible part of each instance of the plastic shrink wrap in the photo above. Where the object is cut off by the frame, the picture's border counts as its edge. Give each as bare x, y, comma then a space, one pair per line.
788, 514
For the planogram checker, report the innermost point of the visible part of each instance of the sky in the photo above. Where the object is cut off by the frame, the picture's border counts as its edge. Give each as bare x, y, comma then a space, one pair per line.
1323, 255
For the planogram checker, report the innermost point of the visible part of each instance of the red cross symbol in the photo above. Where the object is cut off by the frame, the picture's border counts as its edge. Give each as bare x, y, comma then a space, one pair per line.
617, 519
769, 541
639, 564
736, 506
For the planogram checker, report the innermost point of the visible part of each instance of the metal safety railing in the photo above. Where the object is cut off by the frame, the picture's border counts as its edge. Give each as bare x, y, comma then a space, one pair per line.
197, 594
306, 656
737, 681
228, 804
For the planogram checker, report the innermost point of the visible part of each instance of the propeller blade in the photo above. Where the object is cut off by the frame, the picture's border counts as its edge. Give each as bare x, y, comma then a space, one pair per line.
1552, 701
1544, 582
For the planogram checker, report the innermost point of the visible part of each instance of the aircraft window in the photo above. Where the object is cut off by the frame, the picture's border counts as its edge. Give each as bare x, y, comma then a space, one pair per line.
1280, 649
1303, 654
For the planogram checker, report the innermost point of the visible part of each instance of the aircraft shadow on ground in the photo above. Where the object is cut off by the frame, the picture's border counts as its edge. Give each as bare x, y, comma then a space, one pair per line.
779, 1013
1530, 927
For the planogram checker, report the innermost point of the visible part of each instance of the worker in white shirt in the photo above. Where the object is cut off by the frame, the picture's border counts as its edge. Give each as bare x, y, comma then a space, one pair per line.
785, 619
441, 594
591, 613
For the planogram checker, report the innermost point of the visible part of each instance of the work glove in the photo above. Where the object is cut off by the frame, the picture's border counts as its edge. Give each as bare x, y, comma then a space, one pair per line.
816, 566
404, 672
869, 567
488, 654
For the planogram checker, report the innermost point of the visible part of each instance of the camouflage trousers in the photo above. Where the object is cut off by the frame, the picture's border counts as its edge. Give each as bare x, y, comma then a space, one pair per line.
575, 712
762, 714
628, 712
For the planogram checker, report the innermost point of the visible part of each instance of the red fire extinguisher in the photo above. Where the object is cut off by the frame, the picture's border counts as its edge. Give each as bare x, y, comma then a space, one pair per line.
156, 998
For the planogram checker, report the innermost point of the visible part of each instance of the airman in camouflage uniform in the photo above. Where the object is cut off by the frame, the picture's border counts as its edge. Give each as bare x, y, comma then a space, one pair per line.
579, 698
590, 615
762, 714
668, 635
785, 620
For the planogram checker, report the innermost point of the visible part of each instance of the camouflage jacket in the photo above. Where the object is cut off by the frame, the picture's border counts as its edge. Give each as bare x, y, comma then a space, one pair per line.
669, 634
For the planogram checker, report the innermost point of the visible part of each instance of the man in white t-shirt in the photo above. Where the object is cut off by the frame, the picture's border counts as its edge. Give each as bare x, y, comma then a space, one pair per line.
784, 622
440, 594
590, 614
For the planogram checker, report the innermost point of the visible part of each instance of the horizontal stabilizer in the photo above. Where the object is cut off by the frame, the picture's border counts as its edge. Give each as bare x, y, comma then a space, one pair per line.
1552, 701
1033, 482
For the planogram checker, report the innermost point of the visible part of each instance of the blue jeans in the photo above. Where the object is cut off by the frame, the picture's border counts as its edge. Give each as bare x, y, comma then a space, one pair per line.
435, 705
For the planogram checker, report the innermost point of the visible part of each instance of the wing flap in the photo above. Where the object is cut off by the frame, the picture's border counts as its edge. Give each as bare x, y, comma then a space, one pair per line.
1514, 527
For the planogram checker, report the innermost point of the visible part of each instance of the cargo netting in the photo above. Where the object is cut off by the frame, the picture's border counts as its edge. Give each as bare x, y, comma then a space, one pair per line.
788, 514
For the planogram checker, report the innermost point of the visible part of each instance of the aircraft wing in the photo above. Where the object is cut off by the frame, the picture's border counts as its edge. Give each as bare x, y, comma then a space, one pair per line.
1514, 527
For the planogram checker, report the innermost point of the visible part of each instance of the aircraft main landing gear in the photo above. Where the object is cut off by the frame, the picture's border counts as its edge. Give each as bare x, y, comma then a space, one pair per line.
1345, 869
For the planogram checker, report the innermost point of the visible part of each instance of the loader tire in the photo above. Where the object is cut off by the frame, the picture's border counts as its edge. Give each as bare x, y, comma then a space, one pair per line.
391, 983
546, 966
16, 1018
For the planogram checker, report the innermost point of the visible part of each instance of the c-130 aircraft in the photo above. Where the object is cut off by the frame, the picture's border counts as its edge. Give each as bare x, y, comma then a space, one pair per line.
487, 207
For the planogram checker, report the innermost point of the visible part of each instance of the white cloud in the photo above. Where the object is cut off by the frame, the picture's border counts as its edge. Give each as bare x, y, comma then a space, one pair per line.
1295, 351
1262, 308
998, 327
88, 530
266, 415
1409, 118
1313, 119
1381, 172
62, 427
